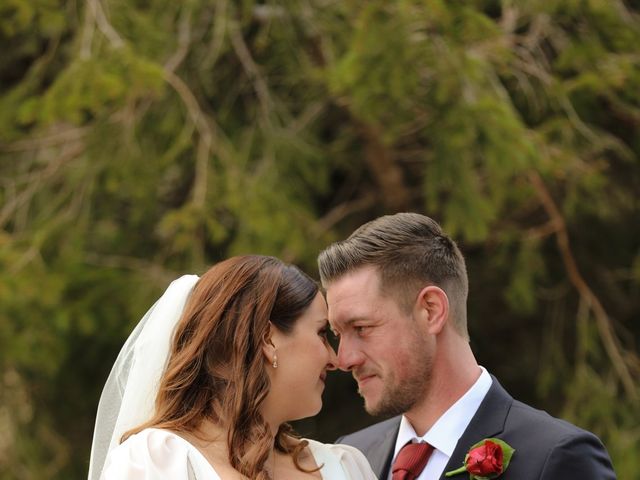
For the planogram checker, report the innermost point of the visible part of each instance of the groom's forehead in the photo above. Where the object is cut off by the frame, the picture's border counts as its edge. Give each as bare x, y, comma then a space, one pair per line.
345, 306
353, 286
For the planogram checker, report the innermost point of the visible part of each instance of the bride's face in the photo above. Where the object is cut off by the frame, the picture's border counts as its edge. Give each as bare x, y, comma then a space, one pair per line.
304, 357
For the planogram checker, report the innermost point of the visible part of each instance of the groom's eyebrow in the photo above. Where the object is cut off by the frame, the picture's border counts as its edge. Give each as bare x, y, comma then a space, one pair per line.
348, 323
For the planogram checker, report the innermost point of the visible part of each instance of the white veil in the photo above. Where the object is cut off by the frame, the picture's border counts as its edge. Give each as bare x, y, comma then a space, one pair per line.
128, 397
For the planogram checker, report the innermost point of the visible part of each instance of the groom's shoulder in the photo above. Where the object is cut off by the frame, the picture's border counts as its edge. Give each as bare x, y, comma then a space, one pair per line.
521, 415
372, 433
528, 419
555, 445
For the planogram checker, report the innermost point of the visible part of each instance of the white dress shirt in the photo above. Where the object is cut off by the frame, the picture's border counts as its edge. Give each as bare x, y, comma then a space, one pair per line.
445, 433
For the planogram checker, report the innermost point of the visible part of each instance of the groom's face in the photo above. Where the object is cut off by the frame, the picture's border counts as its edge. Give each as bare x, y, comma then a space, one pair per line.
380, 343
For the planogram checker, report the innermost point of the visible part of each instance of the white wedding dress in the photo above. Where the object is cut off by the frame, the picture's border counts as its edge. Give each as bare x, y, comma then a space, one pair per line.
155, 454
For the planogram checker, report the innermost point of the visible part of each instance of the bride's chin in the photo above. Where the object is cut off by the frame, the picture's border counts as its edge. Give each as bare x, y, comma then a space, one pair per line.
318, 408
311, 412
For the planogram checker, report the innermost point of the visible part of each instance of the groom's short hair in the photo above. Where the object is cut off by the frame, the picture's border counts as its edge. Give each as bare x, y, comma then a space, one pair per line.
410, 251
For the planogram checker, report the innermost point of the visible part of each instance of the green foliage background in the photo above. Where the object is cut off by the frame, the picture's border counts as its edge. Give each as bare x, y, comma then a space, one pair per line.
143, 139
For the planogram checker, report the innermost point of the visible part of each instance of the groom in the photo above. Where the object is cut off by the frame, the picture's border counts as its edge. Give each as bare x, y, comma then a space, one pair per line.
397, 291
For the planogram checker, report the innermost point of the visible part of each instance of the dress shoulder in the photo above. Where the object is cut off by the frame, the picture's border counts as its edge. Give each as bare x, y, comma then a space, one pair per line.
156, 454
341, 462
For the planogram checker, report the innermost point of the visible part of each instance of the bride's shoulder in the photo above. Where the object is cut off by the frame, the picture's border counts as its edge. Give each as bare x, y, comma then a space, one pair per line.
338, 449
155, 441
150, 453
352, 461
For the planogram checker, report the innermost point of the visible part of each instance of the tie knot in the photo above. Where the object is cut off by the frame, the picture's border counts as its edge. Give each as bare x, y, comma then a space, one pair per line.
411, 461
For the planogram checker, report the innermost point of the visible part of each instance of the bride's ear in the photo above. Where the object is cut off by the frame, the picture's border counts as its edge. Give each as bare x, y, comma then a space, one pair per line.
268, 348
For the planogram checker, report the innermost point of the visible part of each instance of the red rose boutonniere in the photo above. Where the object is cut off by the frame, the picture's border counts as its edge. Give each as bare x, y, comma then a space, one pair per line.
486, 460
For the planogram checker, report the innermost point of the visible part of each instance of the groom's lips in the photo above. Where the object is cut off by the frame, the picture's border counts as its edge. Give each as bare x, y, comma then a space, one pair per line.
362, 379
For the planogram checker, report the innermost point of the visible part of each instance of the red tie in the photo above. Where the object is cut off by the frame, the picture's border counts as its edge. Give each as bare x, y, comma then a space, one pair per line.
411, 461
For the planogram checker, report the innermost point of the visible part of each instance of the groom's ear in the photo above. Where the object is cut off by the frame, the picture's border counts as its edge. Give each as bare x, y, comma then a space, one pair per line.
268, 348
432, 307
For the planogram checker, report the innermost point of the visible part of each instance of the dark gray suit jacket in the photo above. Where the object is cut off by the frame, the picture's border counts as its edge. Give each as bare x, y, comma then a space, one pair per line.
546, 448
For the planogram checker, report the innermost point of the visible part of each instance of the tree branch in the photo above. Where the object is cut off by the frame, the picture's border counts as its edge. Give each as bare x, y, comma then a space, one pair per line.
217, 38
341, 211
252, 70
386, 172
10, 207
206, 132
95, 16
155, 271
52, 140
184, 39
603, 322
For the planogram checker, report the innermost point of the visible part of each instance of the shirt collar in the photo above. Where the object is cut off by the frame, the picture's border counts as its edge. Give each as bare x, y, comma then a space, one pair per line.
445, 433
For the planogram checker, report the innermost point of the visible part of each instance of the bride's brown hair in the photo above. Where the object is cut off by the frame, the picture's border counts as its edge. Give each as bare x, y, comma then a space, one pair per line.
216, 369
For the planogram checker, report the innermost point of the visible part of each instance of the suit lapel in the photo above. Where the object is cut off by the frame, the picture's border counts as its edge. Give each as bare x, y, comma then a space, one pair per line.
379, 454
488, 422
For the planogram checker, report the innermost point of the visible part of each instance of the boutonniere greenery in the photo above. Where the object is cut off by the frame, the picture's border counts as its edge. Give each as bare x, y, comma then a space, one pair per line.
487, 459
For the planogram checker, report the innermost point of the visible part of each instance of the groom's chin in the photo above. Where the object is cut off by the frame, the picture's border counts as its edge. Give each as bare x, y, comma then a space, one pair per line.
373, 397
386, 406
374, 410
371, 406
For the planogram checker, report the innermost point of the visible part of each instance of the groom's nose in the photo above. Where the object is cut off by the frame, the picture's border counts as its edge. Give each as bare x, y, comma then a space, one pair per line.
349, 357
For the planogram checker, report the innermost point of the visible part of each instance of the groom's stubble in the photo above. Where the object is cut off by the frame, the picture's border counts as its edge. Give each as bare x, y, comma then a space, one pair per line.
402, 390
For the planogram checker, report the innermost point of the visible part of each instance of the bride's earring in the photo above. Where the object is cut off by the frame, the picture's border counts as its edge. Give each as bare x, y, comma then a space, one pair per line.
275, 361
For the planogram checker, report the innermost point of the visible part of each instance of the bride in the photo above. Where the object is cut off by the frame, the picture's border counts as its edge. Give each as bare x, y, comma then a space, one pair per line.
205, 384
